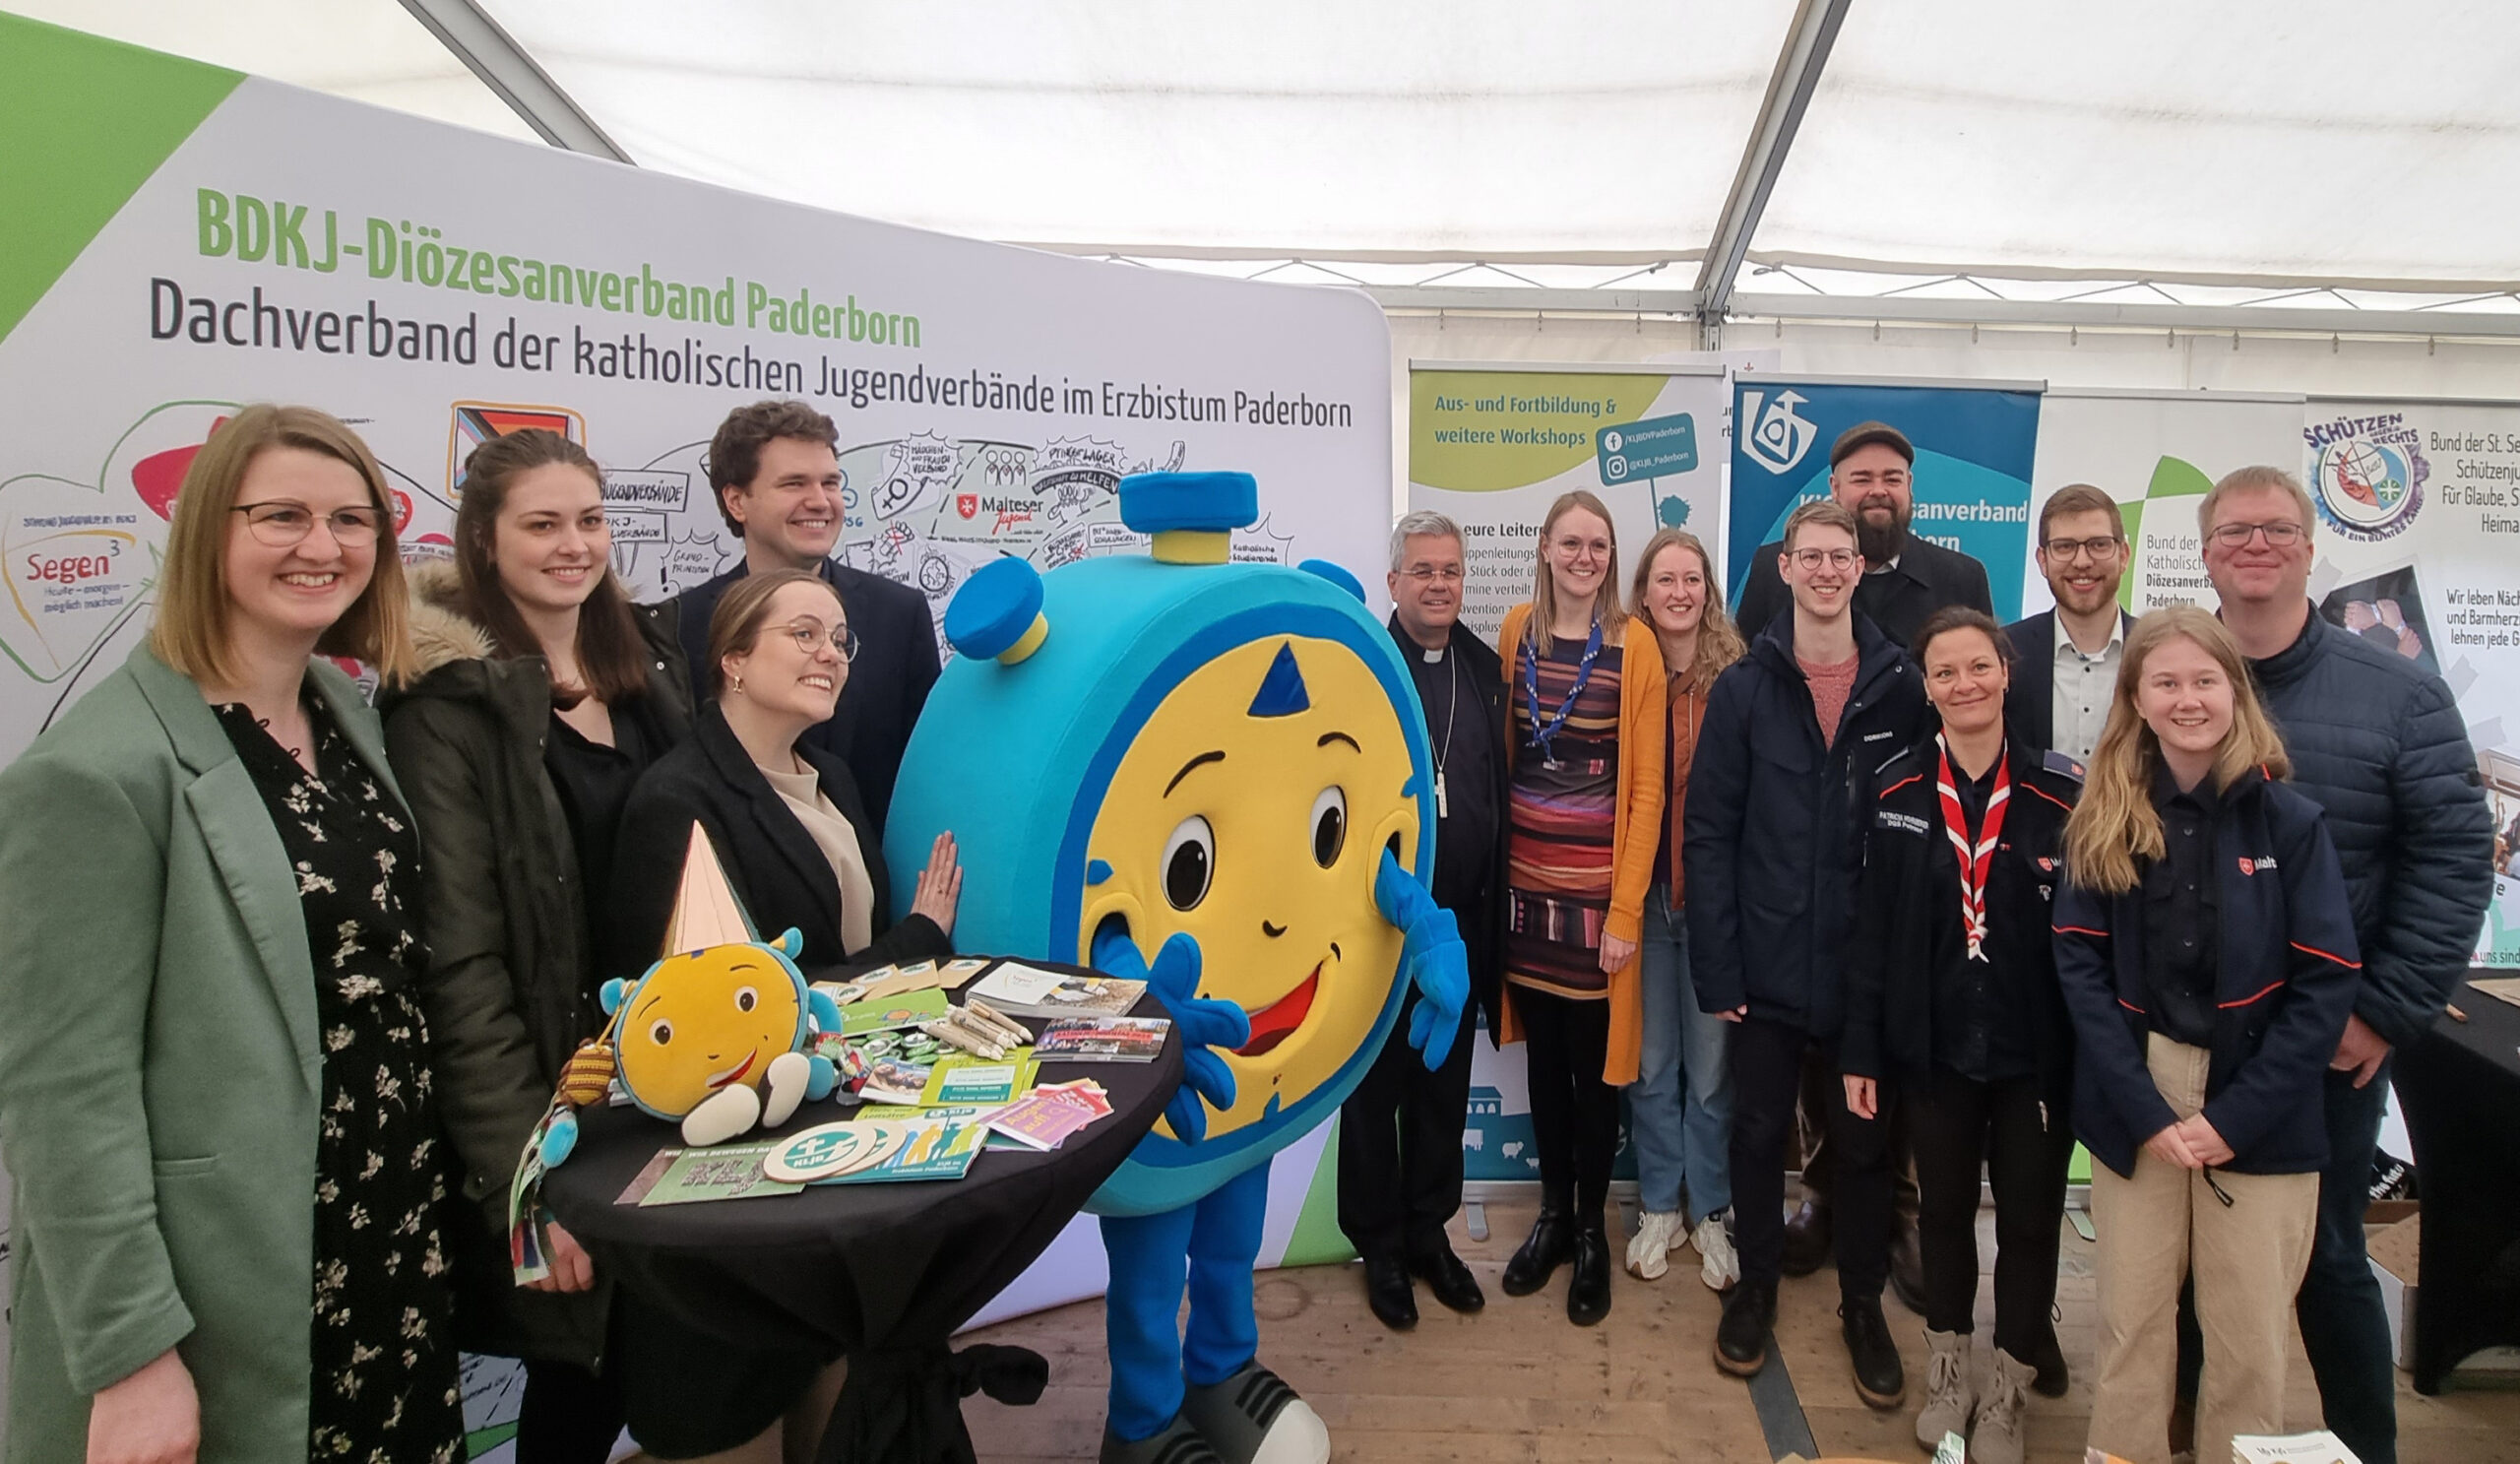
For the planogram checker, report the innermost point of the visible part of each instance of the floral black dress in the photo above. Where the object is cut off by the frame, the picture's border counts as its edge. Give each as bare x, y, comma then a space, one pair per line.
383, 1387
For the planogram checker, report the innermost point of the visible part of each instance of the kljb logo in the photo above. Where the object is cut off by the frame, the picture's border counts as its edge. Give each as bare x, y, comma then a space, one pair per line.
1779, 435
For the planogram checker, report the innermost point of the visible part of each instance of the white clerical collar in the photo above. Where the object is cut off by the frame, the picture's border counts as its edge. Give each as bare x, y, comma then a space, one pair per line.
1431, 658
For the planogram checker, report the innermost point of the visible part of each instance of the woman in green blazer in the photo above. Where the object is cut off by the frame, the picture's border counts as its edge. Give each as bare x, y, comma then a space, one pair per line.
213, 1094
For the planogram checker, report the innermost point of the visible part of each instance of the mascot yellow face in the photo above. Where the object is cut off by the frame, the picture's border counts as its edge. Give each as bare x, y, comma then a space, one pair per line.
702, 1020
1252, 810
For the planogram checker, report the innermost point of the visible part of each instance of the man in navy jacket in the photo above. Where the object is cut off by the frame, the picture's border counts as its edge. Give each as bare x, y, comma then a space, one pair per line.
1792, 732
775, 468
2379, 742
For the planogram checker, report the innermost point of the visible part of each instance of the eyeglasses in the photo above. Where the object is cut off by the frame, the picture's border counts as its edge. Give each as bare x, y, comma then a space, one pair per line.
1450, 574
2283, 533
281, 525
810, 637
1834, 559
2076, 549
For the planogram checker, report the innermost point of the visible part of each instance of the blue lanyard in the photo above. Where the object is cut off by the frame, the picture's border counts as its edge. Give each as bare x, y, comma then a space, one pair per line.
1545, 738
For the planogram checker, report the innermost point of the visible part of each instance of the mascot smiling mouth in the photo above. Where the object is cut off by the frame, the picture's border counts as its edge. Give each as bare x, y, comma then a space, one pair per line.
736, 1074
1277, 1021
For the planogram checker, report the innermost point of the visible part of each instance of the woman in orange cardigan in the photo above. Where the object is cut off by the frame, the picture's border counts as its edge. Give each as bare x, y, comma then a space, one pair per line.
1582, 821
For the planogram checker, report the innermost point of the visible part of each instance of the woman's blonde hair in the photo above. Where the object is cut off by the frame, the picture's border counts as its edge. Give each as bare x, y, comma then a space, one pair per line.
1718, 640
1605, 606
2114, 826
191, 633
735, 627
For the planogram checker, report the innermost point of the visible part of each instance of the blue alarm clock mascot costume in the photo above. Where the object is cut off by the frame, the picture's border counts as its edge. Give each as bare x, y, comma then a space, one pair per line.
1214, 776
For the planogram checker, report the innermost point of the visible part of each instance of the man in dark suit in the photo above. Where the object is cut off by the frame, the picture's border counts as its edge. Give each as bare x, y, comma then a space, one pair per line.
2064, 660
1906, 579
1400, 1163
775, 467
1871, 471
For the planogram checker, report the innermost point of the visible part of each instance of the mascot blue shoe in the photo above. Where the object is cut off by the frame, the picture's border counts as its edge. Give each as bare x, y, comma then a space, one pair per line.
1214, 776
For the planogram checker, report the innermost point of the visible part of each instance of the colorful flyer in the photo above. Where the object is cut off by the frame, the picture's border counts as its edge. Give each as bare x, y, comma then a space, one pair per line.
972, 1080
1043, 1121
893, 1014
728, 1171
935, 1151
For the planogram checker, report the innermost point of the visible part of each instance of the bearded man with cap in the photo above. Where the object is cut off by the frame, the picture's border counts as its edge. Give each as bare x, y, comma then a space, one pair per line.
1873, 472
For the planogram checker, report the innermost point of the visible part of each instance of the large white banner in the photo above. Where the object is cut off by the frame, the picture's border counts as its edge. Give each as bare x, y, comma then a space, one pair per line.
2418, 552
176, 240
436, 286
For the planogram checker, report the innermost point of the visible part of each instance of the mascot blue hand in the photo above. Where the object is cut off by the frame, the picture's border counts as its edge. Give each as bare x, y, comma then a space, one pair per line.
1204, 1024
1433, 957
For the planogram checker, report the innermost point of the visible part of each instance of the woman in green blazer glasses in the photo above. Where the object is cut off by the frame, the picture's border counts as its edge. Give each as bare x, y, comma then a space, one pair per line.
214, 1092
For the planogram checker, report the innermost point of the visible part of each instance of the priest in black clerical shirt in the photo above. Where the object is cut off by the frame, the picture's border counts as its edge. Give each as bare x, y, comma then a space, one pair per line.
1400, 1155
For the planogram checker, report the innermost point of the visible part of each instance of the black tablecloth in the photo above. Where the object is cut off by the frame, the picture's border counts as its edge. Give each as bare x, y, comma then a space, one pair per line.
883, 1272
2460, 1090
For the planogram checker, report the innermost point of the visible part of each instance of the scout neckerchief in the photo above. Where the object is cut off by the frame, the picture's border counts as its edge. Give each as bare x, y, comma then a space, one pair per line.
1974, 861
1545, 738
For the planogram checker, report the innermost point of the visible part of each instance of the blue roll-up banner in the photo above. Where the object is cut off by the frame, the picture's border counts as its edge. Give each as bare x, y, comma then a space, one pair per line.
1974, 444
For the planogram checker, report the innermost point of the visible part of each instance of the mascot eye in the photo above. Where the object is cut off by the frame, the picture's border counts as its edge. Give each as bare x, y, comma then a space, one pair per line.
1189, 863
1329, 826
662, 1033
746, 998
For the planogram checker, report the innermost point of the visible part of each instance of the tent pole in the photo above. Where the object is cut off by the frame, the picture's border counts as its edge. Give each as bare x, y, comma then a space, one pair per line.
484, 47
1797, 75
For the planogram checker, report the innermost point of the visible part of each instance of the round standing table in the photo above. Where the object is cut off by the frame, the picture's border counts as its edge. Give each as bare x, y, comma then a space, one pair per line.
881, 1273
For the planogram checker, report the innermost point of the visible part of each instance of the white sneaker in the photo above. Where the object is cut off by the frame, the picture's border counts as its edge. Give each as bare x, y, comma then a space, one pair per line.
1658, 1234
1719, 1267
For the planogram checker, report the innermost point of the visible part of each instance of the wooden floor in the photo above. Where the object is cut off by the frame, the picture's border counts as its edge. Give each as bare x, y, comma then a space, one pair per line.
1518, 1382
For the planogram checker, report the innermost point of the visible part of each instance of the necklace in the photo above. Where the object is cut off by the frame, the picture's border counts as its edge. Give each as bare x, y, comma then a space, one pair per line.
1545, 738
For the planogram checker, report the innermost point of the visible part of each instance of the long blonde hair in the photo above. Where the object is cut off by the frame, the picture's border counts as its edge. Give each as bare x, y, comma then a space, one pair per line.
1605, 606
191, 631
1718, 640
2114, 826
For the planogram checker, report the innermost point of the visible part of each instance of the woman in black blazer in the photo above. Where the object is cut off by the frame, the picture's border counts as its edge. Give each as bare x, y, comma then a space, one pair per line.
786, 818
1952, 1002
799, 851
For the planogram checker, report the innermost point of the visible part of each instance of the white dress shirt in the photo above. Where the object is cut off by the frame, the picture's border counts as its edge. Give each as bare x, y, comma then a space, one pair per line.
2083, 685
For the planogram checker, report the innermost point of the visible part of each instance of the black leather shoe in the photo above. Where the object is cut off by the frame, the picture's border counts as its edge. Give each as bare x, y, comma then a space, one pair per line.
1806, 1240
1588, 1292
2048, 1355
1741, 1337
1447, 1277
1908, 1268
1879, 1380
1389, 1294
1552, 1240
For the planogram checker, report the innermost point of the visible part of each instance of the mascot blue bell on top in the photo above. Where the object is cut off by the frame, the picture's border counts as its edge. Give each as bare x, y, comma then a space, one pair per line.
1214, 777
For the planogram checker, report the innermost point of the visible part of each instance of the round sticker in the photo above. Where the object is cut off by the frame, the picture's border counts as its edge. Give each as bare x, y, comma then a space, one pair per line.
834, 1150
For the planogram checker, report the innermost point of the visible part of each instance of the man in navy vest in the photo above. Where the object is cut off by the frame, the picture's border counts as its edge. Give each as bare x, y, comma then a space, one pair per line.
775, 469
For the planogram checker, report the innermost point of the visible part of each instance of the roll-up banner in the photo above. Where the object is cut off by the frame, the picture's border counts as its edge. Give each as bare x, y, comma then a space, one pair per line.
2418, 554
1493, 445
2156, 452
1975, 441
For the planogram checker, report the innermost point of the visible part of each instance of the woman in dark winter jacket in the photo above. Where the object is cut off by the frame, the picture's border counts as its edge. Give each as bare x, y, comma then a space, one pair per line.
1951, 996
2206, 951
543, 694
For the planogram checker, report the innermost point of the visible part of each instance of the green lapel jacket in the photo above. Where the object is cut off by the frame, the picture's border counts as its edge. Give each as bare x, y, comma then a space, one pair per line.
159, 1068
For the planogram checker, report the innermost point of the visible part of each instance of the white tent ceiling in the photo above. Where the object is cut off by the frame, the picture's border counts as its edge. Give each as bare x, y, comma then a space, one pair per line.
2246, 143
